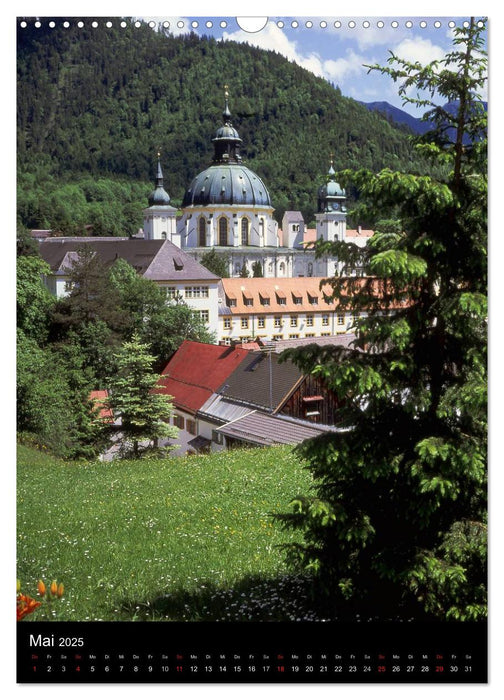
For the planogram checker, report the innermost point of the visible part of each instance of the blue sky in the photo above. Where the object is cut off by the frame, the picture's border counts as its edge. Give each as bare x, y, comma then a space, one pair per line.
338, 48
338, 53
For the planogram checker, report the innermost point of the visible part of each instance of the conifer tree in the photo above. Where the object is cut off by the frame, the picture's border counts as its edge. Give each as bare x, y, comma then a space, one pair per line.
257, 270
397, 524
144, 413
90, 297
218, 263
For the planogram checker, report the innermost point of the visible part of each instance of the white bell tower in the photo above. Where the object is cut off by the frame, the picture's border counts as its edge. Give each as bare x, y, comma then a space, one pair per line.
160, 217
331, 215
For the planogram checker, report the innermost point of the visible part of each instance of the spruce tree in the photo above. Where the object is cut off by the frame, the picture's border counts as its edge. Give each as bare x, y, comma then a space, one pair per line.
143, 412
396, 525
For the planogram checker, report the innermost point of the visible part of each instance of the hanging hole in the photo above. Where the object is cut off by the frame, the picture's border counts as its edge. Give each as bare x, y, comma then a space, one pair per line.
252, 24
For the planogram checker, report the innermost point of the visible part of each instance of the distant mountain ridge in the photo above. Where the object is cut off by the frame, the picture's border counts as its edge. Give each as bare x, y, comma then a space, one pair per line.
399, 116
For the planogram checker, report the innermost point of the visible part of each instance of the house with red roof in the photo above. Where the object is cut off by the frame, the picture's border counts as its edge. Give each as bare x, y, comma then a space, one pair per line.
193, 374
226, 395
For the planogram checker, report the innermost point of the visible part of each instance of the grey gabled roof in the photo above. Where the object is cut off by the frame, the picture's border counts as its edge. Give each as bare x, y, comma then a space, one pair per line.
342, 340
293, 216
222, 410
261, 383
261, 429
173, 263
57, 252
157, 260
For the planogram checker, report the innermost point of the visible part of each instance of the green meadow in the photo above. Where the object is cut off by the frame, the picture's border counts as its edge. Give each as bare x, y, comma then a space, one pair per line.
175, 539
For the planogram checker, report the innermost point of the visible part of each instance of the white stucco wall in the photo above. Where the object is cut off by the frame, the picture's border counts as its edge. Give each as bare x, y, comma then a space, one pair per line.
263, 229
302, 329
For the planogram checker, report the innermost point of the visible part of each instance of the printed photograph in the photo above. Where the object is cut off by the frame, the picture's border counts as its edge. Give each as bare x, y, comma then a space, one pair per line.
252, 320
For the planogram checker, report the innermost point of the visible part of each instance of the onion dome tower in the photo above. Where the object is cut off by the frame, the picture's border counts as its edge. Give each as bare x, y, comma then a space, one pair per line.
159, 196
227, 204
160, 216
331, 216
331, 197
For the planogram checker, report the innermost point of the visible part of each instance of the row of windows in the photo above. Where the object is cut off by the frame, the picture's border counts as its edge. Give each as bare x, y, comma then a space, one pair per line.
204, 314
248, 338
278, 321
196, 292
189, 292
223, 231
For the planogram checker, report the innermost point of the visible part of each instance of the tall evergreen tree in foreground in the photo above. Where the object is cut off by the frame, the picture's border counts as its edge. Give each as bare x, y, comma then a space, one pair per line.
397, 522
144, 413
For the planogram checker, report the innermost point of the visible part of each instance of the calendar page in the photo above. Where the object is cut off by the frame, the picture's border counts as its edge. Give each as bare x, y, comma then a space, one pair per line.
251, 337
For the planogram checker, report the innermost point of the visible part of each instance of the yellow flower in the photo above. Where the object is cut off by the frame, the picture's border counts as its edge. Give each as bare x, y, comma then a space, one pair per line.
54, 588
61, 590
41, 587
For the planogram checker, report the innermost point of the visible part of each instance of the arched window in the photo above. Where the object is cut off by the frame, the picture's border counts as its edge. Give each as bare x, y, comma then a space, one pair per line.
202, 232
163, 235
245, 231
223, 231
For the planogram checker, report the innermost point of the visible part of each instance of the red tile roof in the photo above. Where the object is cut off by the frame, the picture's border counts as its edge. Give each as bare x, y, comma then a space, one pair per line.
360, 232
314, 294
196, 371
310, 235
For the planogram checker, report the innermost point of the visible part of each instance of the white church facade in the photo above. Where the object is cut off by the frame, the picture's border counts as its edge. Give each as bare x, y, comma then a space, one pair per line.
228, 207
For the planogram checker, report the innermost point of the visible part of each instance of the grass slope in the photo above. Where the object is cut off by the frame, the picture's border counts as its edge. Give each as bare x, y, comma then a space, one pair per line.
176, 539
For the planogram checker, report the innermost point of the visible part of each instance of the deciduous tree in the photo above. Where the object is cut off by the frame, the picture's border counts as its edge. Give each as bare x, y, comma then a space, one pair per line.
162, 324
34, 301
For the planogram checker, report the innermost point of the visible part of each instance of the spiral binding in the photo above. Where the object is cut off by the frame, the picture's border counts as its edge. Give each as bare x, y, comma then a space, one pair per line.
244, 23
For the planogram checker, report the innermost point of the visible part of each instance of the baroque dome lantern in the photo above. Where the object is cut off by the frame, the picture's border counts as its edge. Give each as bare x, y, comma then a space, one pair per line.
227, 181
331, 196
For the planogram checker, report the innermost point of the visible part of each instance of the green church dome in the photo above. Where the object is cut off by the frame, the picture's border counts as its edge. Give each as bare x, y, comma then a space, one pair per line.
227, 180
330, 193
231, 184
159, 197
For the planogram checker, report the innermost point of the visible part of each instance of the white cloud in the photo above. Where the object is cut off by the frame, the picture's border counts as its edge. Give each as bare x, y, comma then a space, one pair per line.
378, 36
418, 49
273, 38
346, 67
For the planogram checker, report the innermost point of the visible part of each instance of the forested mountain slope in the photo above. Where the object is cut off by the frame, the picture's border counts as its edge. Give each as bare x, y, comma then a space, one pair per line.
95, 105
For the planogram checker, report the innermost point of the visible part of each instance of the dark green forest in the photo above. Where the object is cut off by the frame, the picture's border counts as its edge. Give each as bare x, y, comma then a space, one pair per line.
95, 105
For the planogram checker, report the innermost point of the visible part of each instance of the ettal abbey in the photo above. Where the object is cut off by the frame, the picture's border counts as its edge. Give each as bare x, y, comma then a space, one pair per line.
251, 330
